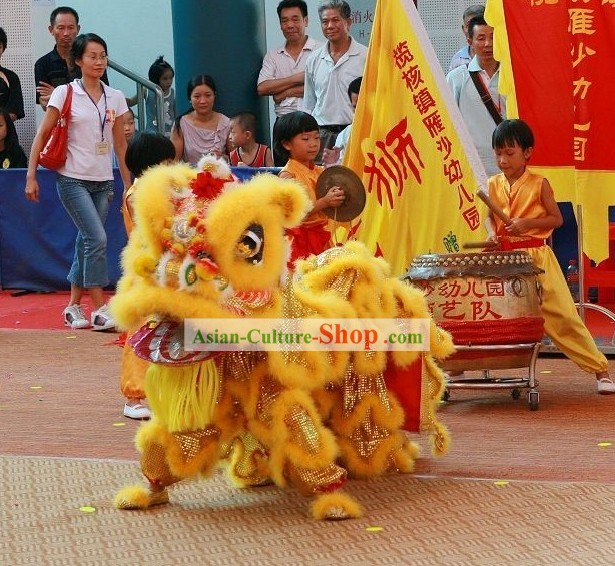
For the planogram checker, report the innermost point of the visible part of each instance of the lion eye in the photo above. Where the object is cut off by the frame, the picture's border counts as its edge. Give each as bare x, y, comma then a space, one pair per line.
251, 244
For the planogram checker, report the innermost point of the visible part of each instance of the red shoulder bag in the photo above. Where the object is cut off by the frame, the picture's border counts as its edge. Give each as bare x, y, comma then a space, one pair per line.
53, 155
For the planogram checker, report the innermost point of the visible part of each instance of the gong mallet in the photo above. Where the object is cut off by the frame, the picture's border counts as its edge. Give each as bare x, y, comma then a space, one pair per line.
494, 208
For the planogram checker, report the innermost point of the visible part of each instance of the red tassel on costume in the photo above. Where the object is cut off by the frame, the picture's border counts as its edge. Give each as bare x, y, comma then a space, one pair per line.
307, 240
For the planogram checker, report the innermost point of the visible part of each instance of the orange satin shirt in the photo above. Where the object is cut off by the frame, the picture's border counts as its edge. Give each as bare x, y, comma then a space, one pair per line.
521, 200
307, 177
127, 211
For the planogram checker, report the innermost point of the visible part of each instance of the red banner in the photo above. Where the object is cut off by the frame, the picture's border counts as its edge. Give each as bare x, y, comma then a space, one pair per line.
563, 60
557, 64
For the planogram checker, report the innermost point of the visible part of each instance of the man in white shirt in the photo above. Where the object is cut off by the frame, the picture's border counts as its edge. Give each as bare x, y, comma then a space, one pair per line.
329, 70
335, 156
465, 54
283, 70
480, 120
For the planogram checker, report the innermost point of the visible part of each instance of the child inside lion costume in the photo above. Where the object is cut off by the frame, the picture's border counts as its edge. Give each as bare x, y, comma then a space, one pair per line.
205, 246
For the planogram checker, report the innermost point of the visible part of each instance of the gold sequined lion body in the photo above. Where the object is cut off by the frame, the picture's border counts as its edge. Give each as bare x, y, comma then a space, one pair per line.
210, 249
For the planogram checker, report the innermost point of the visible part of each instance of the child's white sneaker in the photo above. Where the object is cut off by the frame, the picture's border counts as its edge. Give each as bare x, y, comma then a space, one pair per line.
75, 317
101, 319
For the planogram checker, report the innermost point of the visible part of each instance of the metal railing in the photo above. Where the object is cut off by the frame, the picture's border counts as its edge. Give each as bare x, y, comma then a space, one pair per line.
581, 304
142, 85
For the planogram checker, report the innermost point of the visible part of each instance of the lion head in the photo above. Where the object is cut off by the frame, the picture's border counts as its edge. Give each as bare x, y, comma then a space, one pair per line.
203, 239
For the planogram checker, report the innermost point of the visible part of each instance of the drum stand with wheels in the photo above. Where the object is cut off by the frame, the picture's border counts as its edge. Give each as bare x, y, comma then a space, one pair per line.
522, 355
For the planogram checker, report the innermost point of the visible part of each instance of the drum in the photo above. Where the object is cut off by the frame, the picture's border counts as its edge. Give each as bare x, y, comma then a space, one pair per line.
482, 299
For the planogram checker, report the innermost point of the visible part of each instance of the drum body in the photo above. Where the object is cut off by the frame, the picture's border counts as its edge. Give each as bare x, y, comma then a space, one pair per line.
482, 299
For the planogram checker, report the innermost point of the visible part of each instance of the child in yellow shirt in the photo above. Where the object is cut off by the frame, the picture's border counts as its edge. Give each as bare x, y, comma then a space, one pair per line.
145, 150
527, 198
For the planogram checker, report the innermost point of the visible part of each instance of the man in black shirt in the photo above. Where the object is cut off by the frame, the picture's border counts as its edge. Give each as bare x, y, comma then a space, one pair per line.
11, 98
55, 68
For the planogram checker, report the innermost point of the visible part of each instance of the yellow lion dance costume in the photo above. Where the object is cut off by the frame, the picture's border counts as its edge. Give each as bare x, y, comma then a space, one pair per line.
207, 248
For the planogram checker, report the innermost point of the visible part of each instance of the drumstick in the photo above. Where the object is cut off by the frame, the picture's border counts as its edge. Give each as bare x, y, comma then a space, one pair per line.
493, 208
471, 245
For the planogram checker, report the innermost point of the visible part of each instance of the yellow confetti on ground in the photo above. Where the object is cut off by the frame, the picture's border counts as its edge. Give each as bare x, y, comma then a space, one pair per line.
87, 509
605, 444
546, 371
36, 387
119, 424
500, 482
374, 529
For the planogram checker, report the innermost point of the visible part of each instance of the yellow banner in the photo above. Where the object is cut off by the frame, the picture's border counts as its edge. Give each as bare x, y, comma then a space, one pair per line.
410, 146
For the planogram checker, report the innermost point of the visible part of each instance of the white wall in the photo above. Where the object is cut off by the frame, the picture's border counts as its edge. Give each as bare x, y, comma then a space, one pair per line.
442, 20
136, 32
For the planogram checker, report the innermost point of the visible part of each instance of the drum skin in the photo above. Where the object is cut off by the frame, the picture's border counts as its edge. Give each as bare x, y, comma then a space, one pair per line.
482, 299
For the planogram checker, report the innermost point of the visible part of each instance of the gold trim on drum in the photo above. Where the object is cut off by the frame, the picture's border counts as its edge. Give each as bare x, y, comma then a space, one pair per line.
500, 264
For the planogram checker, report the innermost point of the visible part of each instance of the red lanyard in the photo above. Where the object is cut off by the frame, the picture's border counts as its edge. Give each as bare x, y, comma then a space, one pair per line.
498, 104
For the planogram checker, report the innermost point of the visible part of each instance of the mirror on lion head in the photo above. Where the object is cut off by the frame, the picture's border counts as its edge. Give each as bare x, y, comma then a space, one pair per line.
202, 232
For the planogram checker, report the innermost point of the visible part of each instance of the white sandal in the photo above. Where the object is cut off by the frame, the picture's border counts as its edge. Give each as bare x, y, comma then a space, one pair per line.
606, 386
138, 412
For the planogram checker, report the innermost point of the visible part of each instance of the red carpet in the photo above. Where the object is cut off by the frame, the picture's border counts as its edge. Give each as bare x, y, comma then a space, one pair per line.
44, 311
41, 311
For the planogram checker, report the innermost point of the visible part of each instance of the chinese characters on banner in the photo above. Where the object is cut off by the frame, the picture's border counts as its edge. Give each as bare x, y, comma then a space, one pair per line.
590, 27
417, 161
558, 64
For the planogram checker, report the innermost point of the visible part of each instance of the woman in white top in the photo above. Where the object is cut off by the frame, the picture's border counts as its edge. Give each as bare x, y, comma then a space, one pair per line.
85, 182
202, 130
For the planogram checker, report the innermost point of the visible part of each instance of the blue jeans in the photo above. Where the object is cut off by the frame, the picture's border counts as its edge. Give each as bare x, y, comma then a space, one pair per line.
87, 203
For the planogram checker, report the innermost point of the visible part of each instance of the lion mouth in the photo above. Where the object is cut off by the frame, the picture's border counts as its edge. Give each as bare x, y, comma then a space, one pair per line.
243, 303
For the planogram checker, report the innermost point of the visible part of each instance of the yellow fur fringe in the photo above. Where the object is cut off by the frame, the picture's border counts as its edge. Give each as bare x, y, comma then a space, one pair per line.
287, 445
177, 467
183, 397
405, 457
132, 497
328, 505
